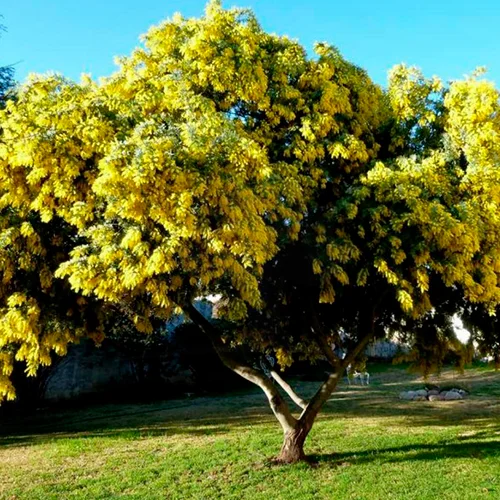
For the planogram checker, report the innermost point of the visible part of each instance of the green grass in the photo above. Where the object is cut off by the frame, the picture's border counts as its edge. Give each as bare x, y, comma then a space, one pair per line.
366, 445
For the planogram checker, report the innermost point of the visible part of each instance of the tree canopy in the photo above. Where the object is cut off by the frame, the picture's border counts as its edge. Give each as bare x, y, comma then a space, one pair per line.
220, 159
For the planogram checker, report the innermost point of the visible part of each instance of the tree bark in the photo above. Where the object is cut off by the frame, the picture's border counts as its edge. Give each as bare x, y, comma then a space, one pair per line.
292, 450
288, 389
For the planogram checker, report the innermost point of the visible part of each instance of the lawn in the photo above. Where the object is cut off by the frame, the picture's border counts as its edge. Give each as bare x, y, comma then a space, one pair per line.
366, 445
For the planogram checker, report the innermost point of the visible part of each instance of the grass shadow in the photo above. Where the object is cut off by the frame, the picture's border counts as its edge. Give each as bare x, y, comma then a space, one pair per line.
207, 416
475, 449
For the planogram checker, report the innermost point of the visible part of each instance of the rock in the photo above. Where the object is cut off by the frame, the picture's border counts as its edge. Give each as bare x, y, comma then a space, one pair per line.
452, 396
407, 395
436, 397
421, 392
433, 395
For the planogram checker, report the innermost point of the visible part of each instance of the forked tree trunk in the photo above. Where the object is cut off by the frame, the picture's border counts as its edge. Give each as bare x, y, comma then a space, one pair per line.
295, 429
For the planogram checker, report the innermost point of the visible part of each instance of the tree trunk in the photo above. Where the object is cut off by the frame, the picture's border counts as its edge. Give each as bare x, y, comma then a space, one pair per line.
292, 450
295, 430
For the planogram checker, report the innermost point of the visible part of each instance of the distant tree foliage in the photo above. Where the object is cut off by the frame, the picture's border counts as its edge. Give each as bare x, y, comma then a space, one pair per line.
6, 78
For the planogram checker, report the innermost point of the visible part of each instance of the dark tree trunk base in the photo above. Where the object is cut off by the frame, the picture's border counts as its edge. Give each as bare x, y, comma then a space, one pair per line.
292, 450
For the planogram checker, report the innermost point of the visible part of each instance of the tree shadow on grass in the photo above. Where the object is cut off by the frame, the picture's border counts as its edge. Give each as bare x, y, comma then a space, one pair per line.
474, 410
474, 449
122, 433
132, 426
220, 415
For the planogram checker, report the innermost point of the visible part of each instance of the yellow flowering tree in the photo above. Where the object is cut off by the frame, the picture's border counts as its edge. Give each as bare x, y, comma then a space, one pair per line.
407, 240
220, 159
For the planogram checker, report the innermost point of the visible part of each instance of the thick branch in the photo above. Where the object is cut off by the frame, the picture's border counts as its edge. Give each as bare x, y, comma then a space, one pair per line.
319, 399
357, 349
288, 389
326, 389
327, 350
319, 333
276, 402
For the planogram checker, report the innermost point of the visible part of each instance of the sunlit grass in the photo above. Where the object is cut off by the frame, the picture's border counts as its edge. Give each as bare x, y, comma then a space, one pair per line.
367, 444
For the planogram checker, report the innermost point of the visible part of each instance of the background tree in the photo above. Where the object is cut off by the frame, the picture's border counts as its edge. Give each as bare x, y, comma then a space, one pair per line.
6, 78
220, 159
484, 329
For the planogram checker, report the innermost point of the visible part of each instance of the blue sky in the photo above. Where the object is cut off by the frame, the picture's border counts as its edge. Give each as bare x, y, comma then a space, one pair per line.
444, 37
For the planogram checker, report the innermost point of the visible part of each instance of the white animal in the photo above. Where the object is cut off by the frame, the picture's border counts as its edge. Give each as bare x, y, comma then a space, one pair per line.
363, 378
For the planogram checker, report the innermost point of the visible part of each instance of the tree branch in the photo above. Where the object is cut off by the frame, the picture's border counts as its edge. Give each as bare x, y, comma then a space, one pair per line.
324, 392
276, 402
288, 389
325, 348
370, 329
318, 400
357, 349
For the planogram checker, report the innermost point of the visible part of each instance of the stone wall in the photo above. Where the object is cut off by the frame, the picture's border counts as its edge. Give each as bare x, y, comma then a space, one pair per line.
88, 369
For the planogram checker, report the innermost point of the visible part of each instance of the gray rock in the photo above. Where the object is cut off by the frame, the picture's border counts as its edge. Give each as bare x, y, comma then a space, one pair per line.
420, 398
407, 395
436, 397
452, 396
421, 392
433, 392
